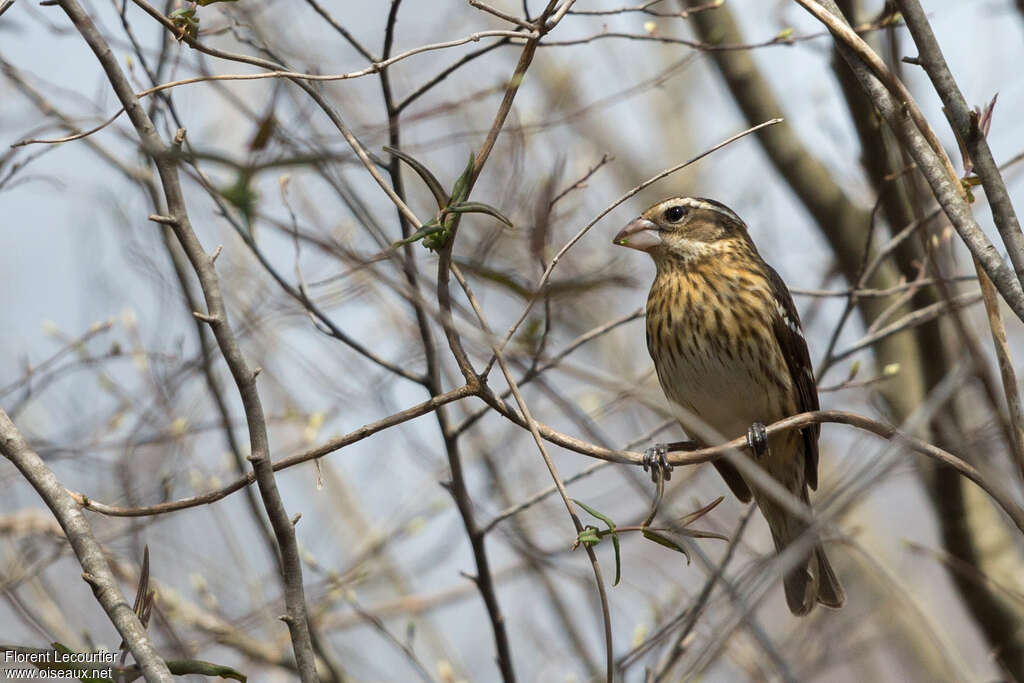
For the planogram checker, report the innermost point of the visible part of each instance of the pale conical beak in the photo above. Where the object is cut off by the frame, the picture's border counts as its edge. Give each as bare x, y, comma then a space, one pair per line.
640, 234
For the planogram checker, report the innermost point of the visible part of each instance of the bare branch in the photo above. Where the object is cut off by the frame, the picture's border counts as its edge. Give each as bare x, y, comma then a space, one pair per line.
291, 567
90, 555
920, 142
967, 129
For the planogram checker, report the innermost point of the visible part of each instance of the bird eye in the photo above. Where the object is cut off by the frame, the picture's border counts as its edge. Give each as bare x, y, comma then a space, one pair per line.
674, 214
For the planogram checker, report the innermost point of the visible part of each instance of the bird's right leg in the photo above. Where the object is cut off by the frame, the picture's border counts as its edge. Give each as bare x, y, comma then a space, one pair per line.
656, 457
757, 440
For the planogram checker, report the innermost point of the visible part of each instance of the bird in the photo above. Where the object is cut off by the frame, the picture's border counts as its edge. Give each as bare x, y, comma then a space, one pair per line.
728, 348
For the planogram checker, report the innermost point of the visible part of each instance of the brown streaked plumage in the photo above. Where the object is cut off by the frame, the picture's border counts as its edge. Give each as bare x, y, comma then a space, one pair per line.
727, 345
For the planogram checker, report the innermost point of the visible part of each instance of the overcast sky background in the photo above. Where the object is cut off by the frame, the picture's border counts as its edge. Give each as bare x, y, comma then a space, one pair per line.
76, 248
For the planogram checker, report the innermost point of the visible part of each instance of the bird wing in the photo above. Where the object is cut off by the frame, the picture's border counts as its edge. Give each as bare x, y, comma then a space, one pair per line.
790, 337
733, 479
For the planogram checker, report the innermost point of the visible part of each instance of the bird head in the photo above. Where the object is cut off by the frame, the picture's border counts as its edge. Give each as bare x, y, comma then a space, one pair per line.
684, 228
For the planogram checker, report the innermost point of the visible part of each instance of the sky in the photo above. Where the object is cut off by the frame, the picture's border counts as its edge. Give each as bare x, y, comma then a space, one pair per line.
76, 249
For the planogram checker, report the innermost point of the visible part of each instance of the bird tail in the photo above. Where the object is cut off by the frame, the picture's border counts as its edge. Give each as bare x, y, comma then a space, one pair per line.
811, 579
830, 591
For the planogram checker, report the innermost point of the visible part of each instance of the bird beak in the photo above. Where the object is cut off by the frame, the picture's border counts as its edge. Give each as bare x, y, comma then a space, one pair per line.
641, 234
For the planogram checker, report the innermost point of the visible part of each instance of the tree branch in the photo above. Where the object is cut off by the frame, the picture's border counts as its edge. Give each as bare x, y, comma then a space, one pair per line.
245, 378
965, 125
919, 140
95, 569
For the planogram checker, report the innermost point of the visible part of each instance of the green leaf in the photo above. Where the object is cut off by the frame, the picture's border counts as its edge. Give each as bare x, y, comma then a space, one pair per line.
854, 369
618, 560
184, 667
699, 533
429, 178
687, 520
437, 239
186, 21
461, 189
242, 196
264, 131
662, 539
429, 228
594, 534
595, 513
589, 535
478, 207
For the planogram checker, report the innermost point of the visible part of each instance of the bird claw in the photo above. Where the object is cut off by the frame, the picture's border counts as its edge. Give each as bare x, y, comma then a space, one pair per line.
656, 460
757, 440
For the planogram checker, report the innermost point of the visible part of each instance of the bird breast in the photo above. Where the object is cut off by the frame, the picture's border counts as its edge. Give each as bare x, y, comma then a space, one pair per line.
715, 352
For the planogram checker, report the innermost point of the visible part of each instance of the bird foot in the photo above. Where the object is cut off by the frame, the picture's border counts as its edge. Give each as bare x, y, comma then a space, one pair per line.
757, 440
656, 460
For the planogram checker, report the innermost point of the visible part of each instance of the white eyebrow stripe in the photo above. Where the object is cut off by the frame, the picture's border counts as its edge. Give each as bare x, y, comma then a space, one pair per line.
698, 204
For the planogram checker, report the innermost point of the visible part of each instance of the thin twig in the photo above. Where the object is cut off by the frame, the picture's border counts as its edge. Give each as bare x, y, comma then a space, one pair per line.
376, 67
920, 142
552, 469
539, 289
694, 610
1006, 371
95, 569
280, 464
244, 377
966, 127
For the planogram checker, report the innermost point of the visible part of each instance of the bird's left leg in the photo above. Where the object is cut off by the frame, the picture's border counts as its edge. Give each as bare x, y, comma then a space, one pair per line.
757, 440
656, 457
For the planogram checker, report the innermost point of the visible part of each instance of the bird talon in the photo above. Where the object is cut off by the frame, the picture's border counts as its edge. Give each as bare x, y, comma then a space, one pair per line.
757, 440
656, 461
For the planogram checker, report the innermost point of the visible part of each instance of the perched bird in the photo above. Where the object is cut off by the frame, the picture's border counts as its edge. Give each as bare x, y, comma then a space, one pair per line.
727, 345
